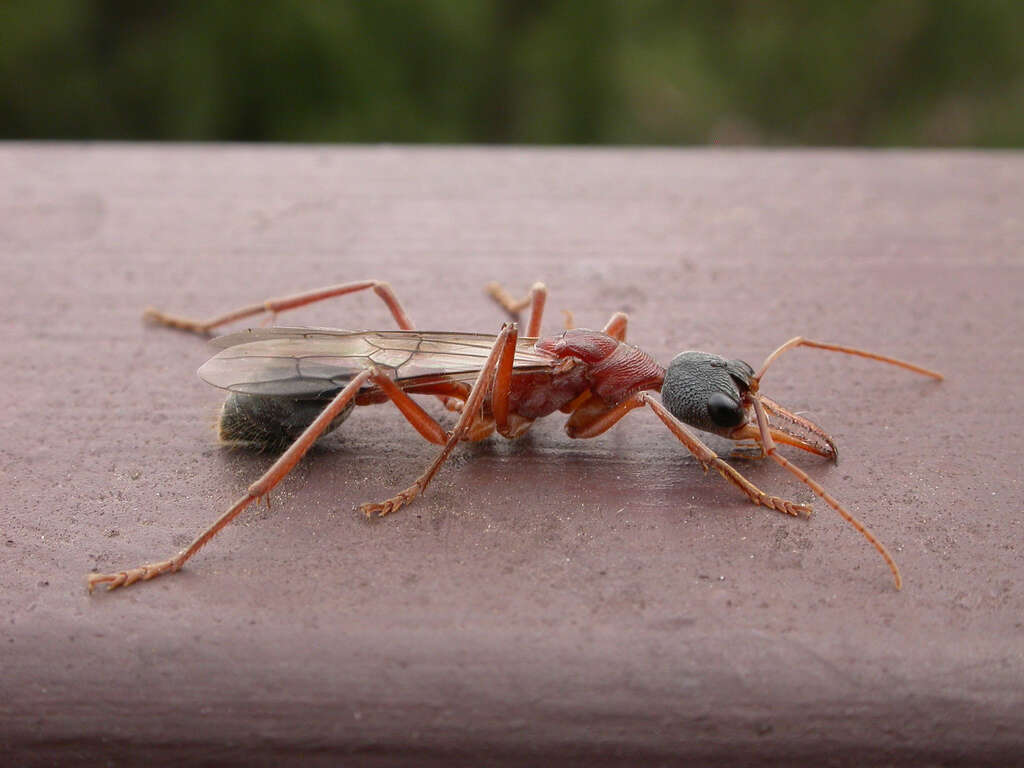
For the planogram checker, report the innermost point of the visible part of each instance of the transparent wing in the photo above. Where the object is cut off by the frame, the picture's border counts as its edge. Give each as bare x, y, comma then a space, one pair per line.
312, 362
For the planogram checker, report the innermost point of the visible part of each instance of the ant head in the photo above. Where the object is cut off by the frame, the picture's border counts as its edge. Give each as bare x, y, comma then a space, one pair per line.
708, 392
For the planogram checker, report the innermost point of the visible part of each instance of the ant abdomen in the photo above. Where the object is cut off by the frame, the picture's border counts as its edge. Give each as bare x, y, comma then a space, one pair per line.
270, 423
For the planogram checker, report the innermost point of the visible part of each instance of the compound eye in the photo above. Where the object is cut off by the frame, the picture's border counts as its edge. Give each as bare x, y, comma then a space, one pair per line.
724, 411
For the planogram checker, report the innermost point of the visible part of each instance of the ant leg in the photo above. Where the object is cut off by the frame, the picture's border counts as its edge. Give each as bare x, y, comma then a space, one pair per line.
590, 417
469, 420
428, 428
770, 449
273, 306
423, 422
536, 300
508, 424
709, 459
590, 421
616, 326
277, 472
800, 341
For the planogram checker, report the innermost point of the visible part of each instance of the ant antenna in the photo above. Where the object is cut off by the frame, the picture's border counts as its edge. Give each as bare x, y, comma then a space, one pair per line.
769, 444
770, 449
800, 341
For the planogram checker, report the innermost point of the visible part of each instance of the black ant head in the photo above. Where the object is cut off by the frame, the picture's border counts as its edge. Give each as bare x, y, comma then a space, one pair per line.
708, 392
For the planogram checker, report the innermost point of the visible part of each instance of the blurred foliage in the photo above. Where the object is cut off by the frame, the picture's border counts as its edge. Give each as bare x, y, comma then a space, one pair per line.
904, 72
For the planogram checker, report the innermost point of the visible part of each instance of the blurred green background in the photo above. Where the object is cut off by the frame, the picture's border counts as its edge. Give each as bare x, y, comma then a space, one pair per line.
907, 72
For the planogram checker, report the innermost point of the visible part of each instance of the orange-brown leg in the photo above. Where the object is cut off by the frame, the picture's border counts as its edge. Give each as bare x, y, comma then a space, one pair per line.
420, 420
616, 326
472, 413
536, 299
274, 306
277, 472
508, 424
590, 417
709, 459
589, 421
